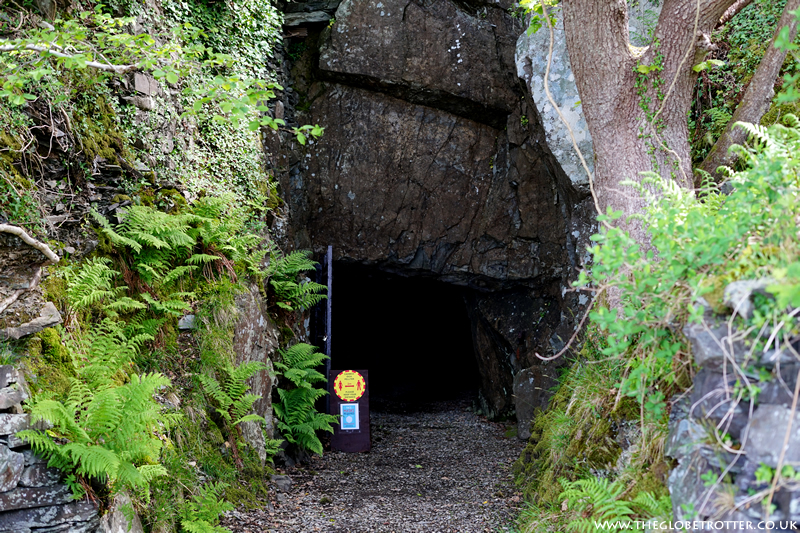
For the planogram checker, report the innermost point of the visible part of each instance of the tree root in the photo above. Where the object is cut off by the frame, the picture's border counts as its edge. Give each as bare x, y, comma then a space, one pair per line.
37, 276
5, 304
22, 234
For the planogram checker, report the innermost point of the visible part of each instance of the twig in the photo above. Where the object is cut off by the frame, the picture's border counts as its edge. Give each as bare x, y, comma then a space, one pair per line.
117, 69
733, 11
575, 334
782, 455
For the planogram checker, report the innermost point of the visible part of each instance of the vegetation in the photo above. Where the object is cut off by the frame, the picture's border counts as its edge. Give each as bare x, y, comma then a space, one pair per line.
128, 403
699, 246
740, 45
297, 417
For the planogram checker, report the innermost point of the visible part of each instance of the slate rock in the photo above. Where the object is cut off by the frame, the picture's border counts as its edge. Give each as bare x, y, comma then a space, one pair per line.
314, 5
10, 424
115, 521
145, 84
746, 478
31, 497
11, 466
10, 396
39, 475
186, 322
766, 434
74, 527
255, 338
712, 346
531, 61
48, 317
53, 515
770, 358
31, 458
532, 388
683, 437
433, 50
298, 19
15, 442
780, 393
8, 375
738, 296
685, 486
713, 399
283, 483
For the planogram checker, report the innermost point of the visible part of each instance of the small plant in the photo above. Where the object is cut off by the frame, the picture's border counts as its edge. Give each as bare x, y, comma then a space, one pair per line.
599, 500
109, 435
233, 402
298, 420
283, 275
201, 514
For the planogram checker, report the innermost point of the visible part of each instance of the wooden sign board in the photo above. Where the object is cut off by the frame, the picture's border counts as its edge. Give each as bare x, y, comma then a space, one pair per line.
349, 398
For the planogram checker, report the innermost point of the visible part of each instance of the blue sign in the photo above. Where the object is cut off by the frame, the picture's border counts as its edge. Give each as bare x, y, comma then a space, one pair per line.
349, 412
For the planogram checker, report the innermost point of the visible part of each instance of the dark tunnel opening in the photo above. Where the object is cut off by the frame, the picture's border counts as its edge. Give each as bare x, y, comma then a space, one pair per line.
413, 335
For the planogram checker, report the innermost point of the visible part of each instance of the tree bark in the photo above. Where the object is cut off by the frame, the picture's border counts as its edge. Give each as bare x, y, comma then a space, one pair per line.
637, 128
757, 98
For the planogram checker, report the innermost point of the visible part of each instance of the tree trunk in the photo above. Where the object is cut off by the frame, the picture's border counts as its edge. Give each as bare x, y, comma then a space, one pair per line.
637, 120
757, 98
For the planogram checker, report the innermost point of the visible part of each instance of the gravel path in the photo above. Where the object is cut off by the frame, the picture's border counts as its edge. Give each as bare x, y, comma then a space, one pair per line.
442, 470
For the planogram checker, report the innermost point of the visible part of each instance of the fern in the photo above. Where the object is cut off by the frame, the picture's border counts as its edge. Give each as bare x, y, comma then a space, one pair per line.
201, 514
92, 283
233, 402
292, 293
110, 434
597, 499
107, 427
297, 418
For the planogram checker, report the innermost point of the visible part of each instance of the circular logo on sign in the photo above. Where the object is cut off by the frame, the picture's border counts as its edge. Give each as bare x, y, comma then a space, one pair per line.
349, 385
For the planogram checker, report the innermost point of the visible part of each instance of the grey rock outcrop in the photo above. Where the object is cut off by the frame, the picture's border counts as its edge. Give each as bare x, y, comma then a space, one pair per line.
532, 388
256, 339
116, 519
29, 314
434, 163
532, 52
735, 422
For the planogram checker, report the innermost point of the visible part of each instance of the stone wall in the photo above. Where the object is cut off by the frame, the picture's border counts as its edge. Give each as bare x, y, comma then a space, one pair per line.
32, 497
721, 434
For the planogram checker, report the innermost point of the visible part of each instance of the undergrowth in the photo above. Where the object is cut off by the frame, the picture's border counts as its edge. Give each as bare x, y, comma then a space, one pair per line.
635, 357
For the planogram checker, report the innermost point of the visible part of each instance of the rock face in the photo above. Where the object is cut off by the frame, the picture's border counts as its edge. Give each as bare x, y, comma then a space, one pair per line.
29, 313
434, 163
761, 429
531, 59
32, 497
256, 339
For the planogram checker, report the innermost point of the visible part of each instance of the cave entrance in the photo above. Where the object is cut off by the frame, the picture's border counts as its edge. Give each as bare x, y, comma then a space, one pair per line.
412, 334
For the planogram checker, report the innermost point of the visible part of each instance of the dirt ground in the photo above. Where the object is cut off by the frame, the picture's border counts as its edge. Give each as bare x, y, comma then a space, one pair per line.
442, 469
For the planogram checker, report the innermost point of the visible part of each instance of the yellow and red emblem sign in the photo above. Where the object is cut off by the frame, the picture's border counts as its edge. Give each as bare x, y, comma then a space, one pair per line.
349, 385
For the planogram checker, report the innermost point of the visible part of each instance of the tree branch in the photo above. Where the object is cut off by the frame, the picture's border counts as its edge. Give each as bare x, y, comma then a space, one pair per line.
117, 69
757, 98
733, 11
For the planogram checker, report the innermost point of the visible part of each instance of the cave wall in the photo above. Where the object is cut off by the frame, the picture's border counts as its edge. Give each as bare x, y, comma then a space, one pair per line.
434, 163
